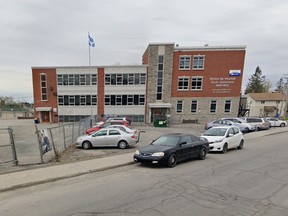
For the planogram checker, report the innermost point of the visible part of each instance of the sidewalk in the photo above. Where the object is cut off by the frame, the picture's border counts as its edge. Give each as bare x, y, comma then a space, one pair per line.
11, 181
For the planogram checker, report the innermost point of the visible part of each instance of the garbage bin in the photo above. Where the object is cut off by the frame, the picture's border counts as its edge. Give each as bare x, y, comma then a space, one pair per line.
160, 123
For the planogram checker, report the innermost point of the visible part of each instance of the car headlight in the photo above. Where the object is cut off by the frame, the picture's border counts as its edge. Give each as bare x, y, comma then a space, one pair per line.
158, 154
218, 141
137, 152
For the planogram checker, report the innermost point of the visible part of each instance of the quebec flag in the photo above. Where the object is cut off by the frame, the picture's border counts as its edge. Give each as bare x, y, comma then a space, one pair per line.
91, 41
234, 72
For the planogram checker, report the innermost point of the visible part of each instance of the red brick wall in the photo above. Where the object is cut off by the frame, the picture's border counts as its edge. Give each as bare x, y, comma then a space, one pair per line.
100, 92
217, 65
51, 81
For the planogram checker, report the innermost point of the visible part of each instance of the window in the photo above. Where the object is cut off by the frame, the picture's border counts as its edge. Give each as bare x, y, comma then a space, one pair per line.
262, 102
194, 105
183, 83
107, 79
197, 83
198, 62
114, 132
76, 79
179, 107
184, 62
119, 100
76, 100
119, 79
160, 78
227, 106
213, 106
43, 86
107, 99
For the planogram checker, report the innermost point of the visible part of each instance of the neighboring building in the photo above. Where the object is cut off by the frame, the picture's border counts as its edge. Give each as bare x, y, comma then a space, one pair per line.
179, 84
266, 104
14, 111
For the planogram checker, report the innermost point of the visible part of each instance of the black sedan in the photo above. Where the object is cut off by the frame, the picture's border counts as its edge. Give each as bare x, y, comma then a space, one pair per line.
169, 149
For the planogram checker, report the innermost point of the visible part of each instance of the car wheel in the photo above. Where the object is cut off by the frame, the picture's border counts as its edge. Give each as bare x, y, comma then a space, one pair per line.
172, 160
202, 154
122, 144
225, 148
87, 145
241, 145
282, 125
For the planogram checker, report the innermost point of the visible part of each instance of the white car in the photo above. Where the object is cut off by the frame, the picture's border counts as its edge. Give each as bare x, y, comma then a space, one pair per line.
275, 122
107, 137
126, 129
247, 127
223, 138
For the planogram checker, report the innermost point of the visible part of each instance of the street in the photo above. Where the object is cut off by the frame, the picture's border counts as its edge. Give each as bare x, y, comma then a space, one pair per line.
252, 181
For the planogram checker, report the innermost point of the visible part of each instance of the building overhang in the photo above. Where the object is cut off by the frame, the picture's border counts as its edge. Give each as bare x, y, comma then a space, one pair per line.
39, 109
159, 105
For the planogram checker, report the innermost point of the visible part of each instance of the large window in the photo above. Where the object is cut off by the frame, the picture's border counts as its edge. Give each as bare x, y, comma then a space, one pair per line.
197, 83
125, 79
213, 106
119, 100
160, 72
77, 100
183, 83
184, 62
194, 106
77, 79
43, 83
227, 106
179, 106
198, 62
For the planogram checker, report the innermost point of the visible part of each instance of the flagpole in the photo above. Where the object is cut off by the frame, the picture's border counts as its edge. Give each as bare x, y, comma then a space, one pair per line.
89, 49
91, 108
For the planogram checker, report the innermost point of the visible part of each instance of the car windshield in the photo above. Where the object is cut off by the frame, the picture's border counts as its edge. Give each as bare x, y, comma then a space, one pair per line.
215, 132
167, 141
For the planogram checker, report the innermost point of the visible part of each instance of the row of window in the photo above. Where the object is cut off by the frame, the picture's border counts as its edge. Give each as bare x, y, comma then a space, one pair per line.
43, 83
76, 118
77, 79
185, 62
119, 100
125, 79
77, 100
212, 106
88, 100
196, 83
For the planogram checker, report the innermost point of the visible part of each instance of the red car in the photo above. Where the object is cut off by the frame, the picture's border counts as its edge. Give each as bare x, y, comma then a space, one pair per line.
105, 124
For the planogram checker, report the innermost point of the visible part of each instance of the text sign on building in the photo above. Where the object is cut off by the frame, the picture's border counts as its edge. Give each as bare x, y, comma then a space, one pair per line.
222, 85
234, 72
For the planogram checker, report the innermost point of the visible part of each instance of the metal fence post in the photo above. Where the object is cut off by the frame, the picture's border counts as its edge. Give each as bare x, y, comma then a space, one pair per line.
54, 147
64, 136
72, 133
14, 154
40, 144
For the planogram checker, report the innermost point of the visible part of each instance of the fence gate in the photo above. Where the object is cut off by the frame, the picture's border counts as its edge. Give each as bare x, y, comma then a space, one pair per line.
7, 147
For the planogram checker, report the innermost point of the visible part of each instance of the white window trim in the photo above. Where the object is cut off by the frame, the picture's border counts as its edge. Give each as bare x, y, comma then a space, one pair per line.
197, 109
210, 107
203, 62
184, 77
177, 106
230, 107
185, 56
201, 85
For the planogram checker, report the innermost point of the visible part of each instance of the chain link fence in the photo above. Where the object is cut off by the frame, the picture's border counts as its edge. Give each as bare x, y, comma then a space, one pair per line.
38, 143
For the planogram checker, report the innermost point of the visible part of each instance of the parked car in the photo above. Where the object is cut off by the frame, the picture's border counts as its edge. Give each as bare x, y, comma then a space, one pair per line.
242, 124
220, 122
169, 149
275, 122
223, 138
123, 118
107, 137
105, 124
126, 129
258, 122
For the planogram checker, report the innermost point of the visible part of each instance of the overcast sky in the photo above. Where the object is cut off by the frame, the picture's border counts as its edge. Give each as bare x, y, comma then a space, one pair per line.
54, 33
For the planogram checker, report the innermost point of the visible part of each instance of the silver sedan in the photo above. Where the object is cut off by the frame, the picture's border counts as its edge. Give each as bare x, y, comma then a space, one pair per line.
107, 137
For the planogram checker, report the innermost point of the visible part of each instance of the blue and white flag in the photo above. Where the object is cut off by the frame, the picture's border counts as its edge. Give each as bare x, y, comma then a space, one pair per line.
91, 41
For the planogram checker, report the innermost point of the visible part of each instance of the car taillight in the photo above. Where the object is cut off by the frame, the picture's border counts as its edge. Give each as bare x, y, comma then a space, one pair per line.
135, 132
133, 137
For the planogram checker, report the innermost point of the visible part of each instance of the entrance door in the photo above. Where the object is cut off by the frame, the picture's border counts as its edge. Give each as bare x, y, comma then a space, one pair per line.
158, 113
45, 116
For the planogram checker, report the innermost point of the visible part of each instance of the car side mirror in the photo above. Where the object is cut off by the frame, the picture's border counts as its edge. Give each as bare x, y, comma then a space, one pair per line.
183, 143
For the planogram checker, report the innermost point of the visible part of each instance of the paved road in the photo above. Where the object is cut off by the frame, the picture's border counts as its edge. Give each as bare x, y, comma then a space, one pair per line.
252, 181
